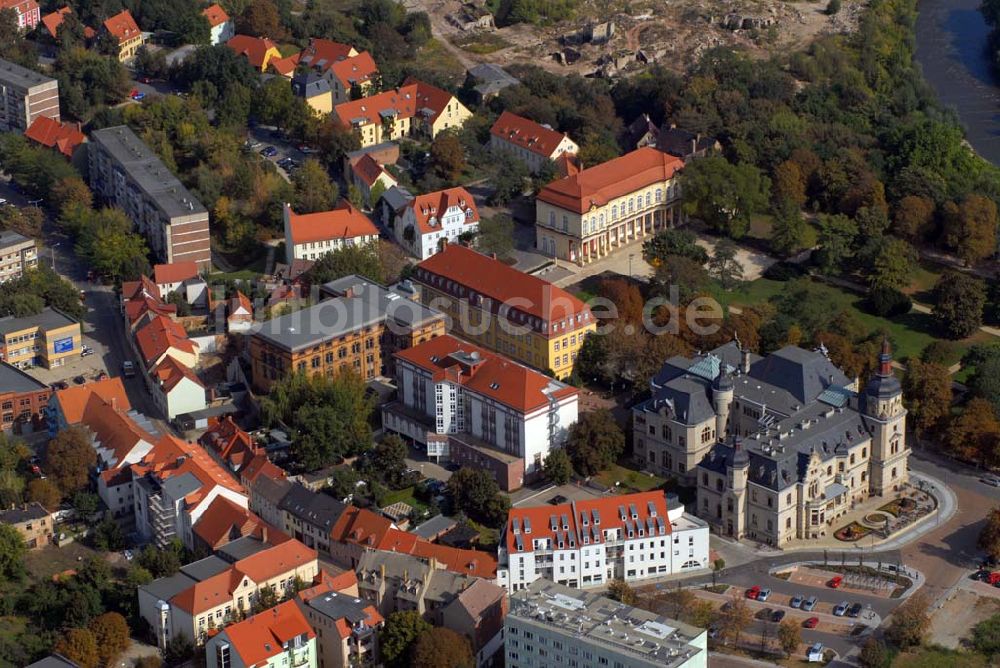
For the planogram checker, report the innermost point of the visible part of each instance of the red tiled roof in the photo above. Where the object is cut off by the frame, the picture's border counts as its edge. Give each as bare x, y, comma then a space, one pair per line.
344, 222
609, 516
285, 66
598, 185
229, 442
527, 134
254, 48
411, 98
122, 26
436, 204
63, 136
368, 170
260, 466
490, 278
263, 636
355, 69
240, 301
215, 14
568, 164
170, 372
467, 562
160, 335
323, 53
112, 426
361, 527
55, 19
276, 560
73, 400
324, 583
135, 309
136, 289
491, 375
223, 521
176, 272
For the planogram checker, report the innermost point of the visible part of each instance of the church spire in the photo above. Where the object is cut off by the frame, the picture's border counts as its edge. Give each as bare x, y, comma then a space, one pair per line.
885, 359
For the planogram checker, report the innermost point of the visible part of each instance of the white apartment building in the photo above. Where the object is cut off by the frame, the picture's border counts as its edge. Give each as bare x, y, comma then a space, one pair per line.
587, 543
534, 144
310, 236
473, 406
426, 223
553, 626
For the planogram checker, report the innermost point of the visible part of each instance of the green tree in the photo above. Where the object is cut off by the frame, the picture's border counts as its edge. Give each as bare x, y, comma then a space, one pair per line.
108, 535
12, 552
362, 260
557, 467
160, 563
107, 243
80, 647
927, 391
789, 636
386, 461
26, 221
179, 650
619, 590
836, 238
314, 191
595, 441
508, 178
375, 194
894, 265
671, 243
476, 492
401, 631
69, 459
833, 7
789, 229
496, 235
910, 622
959, 301
735, 619
986, 635
971, 228
260, 19
989, 535
13, 45
974, 434
724, 195
914, 215
788, 185
440, 648
448, 157
112, 635
724, 266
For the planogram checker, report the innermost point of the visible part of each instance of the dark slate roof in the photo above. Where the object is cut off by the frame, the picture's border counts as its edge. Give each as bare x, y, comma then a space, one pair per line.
54, 661
677, 142
164, 589
204, 568
685, 399
23, 513
318, 509
802, 373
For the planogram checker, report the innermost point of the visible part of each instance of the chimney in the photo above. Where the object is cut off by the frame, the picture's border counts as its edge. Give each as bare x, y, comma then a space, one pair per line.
493, 255
745, 360
263, 533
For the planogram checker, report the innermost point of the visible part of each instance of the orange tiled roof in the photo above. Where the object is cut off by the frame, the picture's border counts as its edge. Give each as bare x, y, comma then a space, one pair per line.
223, 521
240, 301
467, 562
73, 400
435, 204
372, 619
285, 66
344, 222
137, 289
490, 278
412, 98
160, 335
233, 445
215, 14
609, 512
262, 637
368, 170
62, 136
361, 527
355, 69
276, 560
113, 427
568, 164
135, 309
170, 372
527, 134
122, 26
176, 272
254, 48
321, 54
55, 19
491, 375
171, 456
598, 185
260, 466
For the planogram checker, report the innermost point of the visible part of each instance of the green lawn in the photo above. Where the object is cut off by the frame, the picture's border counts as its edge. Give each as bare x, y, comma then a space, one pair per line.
939, 657
924, 279
481, 43
435, 58
404, 495
629, 479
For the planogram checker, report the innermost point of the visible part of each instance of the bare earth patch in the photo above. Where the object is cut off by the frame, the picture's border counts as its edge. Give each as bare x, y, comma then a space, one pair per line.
954, 620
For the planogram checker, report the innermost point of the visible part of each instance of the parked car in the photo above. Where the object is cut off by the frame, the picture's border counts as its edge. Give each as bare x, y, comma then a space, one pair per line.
836, 581
753, 592
815, 653
855, 610
128, 369
86, 352
764, 594
138, 95
269, 151
990, 480
809, 604
777, 615
796, 601
841, 608
79, 380
811, 623
305, 148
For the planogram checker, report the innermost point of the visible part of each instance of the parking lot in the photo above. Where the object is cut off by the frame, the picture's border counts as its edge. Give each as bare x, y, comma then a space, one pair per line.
272, 146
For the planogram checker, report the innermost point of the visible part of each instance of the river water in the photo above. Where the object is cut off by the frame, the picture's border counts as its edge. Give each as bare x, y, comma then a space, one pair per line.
952, 52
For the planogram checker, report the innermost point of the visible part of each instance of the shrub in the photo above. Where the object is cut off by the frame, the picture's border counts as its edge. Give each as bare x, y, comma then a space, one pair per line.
784, 271
887, 302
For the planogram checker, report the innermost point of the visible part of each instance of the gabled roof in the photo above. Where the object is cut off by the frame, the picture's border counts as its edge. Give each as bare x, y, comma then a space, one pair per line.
354, 70
276, 560
567, 524
360, 527
169, 372
321, 54
261, 466
598, 185
113, 428
53, 21
486, 373
175, 272
160, 335
411, 99
432, 206
238, 302
145, 286
215, 14
368, 170
122, 26
264, 636
430, 98
64, 137
316, 508
223, 521
73, 400
491, 278
527, 134
344, 222
285, 66
255, 49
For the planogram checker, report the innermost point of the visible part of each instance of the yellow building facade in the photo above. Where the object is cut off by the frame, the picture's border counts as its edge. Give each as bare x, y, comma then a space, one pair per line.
47, 339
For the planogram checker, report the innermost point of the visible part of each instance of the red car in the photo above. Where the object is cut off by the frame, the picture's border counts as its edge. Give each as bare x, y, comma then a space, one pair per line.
753, 592
994, 578
811, 623
836, 581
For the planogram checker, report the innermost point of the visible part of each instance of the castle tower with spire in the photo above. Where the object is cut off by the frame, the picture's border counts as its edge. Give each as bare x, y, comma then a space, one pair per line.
882, 403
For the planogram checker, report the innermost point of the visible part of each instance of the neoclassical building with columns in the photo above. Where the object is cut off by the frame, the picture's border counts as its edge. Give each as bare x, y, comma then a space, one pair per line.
595, 212
780, 447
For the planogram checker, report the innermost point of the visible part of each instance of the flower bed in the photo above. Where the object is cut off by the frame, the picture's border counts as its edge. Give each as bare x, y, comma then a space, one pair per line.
852, 532
898, 506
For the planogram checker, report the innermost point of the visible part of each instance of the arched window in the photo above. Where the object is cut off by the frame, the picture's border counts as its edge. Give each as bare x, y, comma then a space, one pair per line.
706, 435
602, 221
659, 195
648, 199
614, 212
